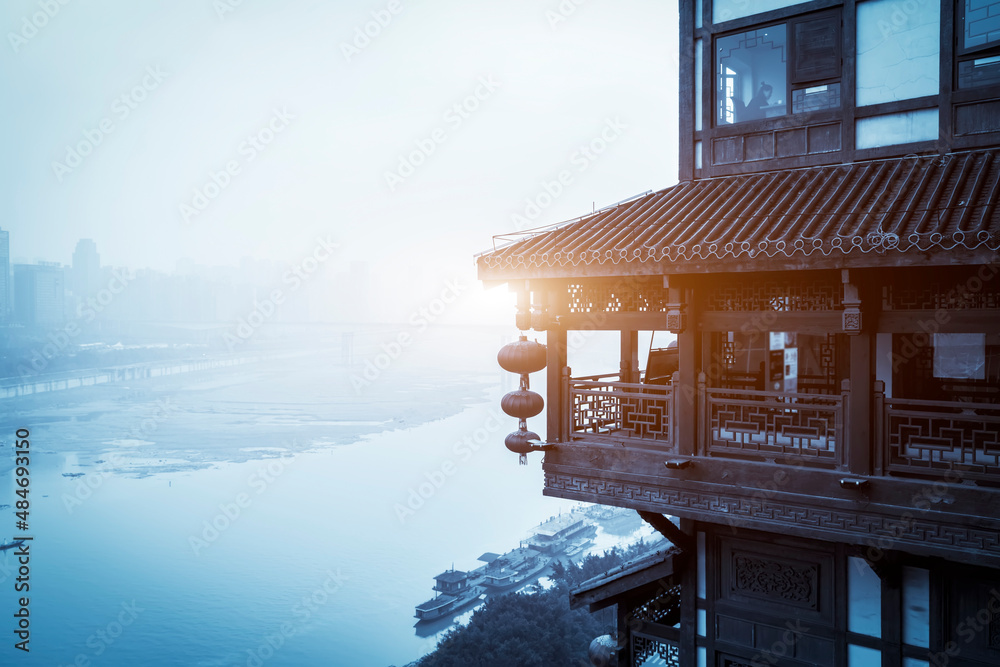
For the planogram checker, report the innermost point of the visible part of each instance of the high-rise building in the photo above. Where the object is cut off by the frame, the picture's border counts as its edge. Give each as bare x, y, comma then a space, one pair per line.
4, 276
86, 269
39, 294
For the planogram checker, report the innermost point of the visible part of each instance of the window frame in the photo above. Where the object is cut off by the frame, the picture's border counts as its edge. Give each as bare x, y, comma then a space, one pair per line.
964, 54
960, 49
794, 80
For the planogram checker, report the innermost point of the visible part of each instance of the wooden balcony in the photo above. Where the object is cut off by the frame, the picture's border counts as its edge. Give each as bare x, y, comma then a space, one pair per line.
938, 439
788, 462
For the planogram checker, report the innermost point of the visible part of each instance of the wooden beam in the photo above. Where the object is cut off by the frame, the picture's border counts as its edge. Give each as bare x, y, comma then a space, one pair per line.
800, 322
942, 320
666, 527
613, 321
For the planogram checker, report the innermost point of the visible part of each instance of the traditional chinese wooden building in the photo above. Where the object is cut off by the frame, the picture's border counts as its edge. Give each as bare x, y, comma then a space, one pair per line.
828, 262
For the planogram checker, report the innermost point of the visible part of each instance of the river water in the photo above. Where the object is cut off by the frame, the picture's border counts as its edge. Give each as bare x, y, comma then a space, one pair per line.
203, 540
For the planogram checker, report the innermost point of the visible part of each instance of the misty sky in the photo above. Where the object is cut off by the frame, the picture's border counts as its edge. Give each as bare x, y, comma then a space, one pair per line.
174, 91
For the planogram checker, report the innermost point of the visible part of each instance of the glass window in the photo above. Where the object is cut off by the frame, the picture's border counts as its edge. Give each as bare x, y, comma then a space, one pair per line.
862, 656
701, 566
816, 98
980, 23
751, 69
960, 356
897, 51
727, 10
976, 72
697, 85
864, 598
896, 128
946, 367
759, 70
916, 606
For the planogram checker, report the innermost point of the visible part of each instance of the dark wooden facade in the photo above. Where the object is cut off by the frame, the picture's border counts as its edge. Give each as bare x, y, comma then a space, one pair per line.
967, 112
830, 438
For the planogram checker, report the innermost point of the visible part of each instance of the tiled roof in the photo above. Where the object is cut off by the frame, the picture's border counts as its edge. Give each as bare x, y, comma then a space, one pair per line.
859, 214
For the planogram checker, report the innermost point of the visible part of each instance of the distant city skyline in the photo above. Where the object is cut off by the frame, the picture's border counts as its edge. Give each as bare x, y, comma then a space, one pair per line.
175, 131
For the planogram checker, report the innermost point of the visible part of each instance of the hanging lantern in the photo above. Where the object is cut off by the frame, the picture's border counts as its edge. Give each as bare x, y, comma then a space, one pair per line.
522, 357
519, 441
522, 404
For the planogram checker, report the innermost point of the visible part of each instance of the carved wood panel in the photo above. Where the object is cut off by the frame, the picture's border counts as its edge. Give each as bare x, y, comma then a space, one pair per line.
750, 511
784, 296
654, 652
621, 296
773, 579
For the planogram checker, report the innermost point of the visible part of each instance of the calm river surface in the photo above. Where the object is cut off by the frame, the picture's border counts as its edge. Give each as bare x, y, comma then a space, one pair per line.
198, 534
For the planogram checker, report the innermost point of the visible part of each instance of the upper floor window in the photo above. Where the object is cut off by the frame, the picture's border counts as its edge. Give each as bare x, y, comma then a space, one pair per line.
978, 43
727, 10
898, 50
769, 71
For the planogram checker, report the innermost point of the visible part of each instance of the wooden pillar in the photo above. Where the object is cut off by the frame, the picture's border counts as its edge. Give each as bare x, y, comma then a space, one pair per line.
859, 428
688, 357
555, 362
629, 364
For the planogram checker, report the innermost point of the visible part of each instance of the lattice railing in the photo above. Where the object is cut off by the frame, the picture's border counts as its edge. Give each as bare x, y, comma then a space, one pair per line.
621, 410
665, 608
933, 437
774, 424
650, 651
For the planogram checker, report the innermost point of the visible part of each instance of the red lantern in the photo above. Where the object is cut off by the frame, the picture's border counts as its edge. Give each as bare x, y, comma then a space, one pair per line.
522, 356
522, 404
519, 441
